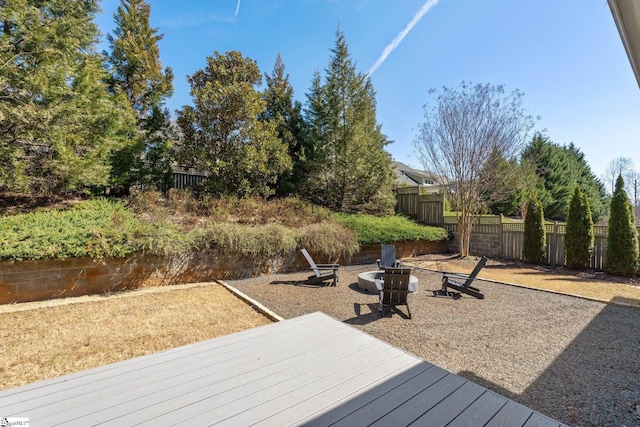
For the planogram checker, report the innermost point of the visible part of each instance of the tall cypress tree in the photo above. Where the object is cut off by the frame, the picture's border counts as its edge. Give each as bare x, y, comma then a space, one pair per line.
287, 115
58, 123
348, 167
138, 73
622, 236
578, 240
534, 246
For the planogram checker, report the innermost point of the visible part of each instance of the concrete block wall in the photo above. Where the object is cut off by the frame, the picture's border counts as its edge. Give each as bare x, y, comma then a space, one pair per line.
488, 245
47, 279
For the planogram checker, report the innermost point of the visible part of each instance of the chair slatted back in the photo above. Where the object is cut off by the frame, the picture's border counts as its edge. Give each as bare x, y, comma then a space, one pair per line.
388, 256
475, 271
312, 264
396, 285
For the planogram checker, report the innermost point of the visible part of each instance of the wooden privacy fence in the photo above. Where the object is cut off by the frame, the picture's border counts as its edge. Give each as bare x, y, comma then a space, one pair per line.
426, 208
491, 236
508, 240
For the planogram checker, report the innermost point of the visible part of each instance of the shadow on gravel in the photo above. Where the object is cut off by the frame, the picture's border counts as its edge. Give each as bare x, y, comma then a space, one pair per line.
596, 379
362, 319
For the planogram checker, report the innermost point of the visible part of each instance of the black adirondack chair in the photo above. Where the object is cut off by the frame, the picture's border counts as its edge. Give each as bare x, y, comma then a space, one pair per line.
322, 272
455, 281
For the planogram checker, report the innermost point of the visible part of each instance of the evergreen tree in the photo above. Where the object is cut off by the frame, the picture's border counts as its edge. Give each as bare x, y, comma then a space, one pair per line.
622, 236
534, 246
58, 123
222, 133
560, 169
138, 73
579, 238
286, 114
348, 167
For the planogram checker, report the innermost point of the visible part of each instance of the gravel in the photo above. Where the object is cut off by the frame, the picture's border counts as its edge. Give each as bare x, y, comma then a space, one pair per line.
572, 359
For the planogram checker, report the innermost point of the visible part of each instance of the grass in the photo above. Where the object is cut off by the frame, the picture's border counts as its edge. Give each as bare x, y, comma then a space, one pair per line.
58, 340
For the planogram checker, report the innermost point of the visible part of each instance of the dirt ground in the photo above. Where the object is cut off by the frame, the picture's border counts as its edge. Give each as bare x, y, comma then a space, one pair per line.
594, 285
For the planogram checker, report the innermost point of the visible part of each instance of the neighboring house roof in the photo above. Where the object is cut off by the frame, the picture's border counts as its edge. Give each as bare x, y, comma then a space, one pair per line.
406, 175
626, 14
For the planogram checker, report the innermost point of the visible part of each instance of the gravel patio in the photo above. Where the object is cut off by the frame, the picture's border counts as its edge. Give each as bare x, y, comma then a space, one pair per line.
572, 359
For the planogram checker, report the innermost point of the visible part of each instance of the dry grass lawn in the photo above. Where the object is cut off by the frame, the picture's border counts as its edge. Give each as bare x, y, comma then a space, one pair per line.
55, 339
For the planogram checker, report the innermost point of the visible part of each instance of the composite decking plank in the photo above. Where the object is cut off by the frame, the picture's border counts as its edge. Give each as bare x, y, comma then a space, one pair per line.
450, 407
189, 381
379, 406
361, 398
410, 410
210, 397
300, 371
538, 420
245, 399
131, 365
330, 391
149, 373
510, 415
480, 411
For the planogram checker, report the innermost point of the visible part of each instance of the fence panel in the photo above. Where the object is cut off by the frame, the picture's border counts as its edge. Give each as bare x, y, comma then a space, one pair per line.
512, 240
431, 209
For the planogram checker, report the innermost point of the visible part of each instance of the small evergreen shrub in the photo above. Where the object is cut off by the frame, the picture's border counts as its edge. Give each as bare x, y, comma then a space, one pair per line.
622, 239
534, 234
387, 229
578, 240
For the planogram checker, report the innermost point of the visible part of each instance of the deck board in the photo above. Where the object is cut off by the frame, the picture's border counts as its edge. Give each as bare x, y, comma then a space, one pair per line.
311, 370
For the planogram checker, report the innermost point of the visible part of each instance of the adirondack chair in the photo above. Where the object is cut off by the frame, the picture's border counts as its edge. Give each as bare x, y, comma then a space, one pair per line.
454, 281
322, 272
394, 288
388, 257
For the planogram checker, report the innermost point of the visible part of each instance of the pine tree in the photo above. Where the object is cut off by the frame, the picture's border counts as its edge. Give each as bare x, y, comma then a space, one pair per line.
58, 123
534, 246
579, 238
286, 114
221, 133
137, 72
622, 236
348, 167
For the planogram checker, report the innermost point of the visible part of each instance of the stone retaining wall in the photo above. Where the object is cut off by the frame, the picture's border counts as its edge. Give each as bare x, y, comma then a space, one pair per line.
41, 280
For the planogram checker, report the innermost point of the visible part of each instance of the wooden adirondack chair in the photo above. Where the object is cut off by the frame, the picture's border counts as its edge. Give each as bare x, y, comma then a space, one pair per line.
322, 272
394, 288
454, 281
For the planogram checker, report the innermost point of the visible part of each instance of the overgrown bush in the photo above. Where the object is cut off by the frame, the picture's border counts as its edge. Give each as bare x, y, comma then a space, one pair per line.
622, 238
95, 228
578, 240
534, 247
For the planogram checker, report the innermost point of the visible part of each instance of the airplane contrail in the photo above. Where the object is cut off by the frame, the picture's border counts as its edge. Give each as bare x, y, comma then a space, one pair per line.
391, 46
238, 8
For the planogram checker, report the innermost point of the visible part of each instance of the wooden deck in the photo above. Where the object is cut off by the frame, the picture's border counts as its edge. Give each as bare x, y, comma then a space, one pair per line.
311, 370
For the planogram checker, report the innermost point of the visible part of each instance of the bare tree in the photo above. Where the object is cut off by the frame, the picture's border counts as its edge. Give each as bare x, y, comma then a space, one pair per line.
462, 133
621, 166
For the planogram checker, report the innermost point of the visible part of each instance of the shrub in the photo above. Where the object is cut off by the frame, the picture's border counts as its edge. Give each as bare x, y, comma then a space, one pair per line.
534, 234
578, 240
373, 229
622, 238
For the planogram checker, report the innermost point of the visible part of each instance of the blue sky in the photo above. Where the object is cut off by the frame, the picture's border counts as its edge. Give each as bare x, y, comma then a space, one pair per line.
565, 55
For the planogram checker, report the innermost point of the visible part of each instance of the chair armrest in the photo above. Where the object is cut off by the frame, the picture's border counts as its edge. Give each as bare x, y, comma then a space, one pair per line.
328, 265
456, 276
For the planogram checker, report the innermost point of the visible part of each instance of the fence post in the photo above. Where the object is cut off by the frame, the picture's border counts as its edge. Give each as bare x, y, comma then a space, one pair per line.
501, 237
555, 243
